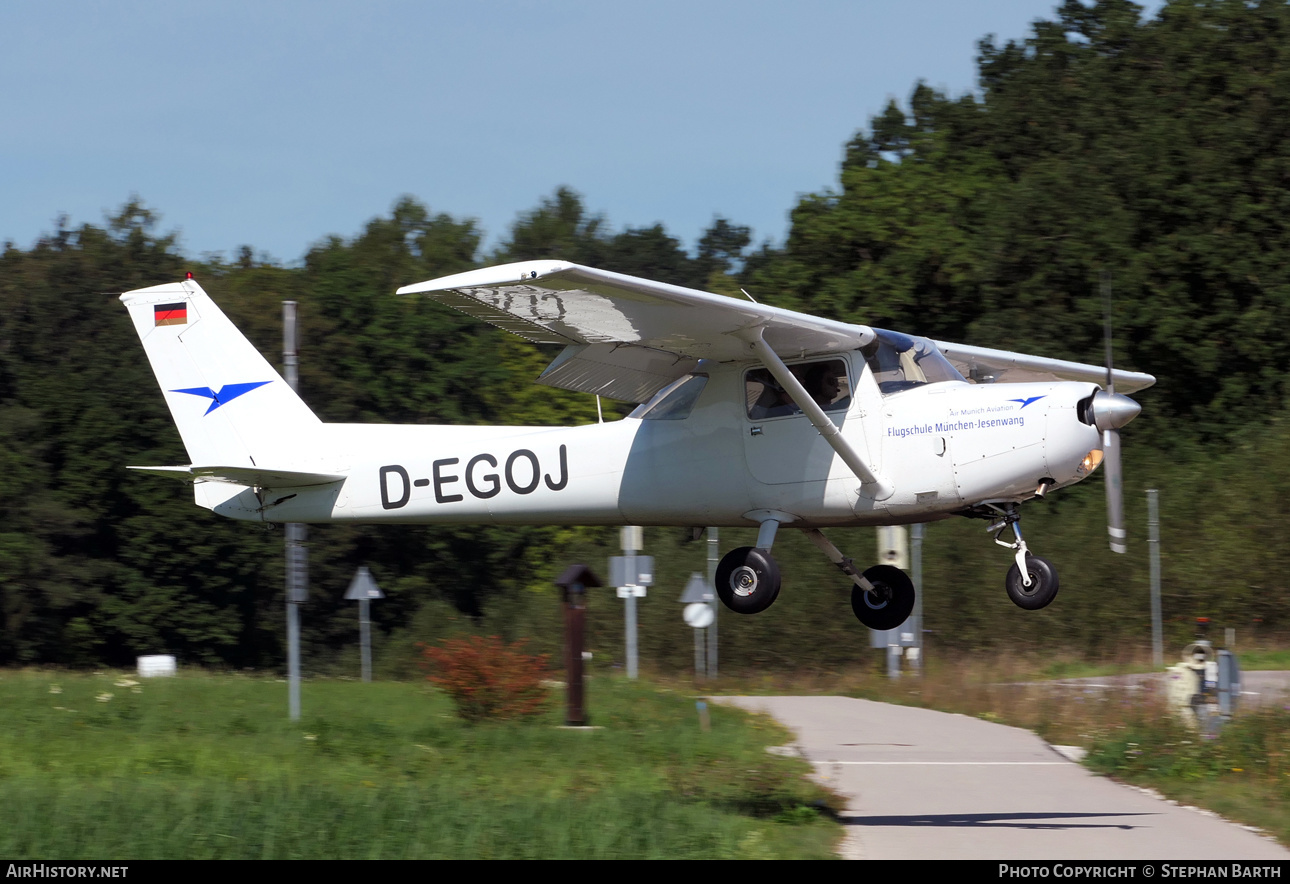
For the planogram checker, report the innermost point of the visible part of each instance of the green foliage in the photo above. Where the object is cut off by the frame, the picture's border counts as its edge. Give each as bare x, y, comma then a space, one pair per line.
1154, 148
211, 767
489, 679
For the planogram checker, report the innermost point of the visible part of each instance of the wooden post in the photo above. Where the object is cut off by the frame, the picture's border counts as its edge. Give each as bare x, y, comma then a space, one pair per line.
575, 581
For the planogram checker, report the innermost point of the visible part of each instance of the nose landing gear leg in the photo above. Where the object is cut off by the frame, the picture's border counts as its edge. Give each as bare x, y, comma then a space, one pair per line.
1032, 581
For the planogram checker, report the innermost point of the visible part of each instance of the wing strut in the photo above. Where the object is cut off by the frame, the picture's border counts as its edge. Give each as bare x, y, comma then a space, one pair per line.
870, 482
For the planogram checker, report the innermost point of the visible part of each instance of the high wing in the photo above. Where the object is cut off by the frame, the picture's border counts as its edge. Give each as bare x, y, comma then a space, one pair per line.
986, 365
625, 337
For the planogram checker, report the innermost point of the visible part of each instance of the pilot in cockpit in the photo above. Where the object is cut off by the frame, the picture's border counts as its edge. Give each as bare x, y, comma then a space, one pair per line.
777, 402
824, 385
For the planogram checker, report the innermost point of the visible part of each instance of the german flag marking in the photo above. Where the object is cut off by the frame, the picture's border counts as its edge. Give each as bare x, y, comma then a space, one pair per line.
171, 314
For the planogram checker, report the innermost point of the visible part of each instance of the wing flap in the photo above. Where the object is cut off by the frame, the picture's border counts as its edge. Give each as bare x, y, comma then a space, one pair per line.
616, 371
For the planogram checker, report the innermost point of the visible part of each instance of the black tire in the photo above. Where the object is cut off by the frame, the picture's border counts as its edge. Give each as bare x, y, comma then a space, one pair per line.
748, 580
1043, 584
891, 601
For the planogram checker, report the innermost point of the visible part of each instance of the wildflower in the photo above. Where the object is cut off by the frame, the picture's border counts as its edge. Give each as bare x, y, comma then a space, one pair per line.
104, 697
55, 689
126, 683
311, 736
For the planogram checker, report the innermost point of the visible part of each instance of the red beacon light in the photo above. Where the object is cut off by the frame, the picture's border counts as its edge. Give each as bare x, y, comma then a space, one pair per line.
188, 275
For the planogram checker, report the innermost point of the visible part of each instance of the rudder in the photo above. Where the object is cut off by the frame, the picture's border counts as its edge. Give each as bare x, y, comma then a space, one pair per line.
230, 405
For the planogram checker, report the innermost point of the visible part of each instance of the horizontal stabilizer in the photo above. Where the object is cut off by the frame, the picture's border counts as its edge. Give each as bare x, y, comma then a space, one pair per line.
255, 477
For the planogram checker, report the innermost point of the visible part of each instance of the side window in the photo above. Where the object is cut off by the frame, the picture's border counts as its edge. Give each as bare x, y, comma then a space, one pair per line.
675, 401
826, 382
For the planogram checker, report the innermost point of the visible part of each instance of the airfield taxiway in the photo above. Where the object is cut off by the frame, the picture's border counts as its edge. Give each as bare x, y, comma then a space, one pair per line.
932, 785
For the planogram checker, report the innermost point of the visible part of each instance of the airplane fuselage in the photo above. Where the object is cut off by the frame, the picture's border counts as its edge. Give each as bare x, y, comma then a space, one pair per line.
943, 446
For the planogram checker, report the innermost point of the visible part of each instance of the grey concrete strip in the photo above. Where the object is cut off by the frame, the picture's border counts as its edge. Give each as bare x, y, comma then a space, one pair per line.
931, 785
1258, 687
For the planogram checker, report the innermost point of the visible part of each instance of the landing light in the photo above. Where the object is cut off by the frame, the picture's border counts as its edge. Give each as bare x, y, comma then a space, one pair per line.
1090, 462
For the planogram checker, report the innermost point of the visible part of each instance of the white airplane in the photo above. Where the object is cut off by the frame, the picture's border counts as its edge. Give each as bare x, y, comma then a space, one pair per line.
749, 416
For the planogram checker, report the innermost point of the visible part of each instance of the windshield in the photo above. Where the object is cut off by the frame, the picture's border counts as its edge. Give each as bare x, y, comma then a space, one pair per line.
901, 362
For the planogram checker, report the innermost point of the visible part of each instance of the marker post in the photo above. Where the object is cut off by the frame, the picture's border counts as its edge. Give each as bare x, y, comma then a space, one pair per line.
297, 536
631, 574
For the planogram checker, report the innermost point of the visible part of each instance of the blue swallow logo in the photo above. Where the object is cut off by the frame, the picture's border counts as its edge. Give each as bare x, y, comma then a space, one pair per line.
226, 394
1025, 402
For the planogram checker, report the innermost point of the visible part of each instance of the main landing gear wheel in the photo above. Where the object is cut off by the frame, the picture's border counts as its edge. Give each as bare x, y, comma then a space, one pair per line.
747, 580
1043, 584
889, 603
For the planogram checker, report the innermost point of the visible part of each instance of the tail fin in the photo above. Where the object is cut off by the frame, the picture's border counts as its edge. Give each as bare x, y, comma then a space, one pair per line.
230, 405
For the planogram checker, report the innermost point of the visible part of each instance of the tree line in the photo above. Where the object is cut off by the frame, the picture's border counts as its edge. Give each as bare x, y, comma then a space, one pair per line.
1152, 148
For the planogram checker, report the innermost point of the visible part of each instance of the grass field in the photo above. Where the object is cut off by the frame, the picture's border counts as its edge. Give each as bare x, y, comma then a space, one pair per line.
206, 766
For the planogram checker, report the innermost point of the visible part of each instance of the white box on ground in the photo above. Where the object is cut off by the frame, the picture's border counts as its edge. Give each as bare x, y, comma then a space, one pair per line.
156, 664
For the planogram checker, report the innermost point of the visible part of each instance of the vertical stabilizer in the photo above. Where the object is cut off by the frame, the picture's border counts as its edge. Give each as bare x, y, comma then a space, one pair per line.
230, 405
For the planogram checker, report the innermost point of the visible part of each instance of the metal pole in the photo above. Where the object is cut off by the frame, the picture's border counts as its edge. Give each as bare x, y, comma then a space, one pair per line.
699, 674
297, 584
631, 542
632, 663
365, 634
1153, 544
297, 567
916, 566
716, 607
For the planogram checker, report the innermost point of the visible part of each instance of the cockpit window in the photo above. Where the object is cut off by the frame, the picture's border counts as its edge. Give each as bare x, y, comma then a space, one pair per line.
675, 401
901, 362
826, 382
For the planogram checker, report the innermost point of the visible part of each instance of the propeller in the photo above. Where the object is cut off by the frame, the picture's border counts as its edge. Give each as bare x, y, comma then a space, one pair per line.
1110, 412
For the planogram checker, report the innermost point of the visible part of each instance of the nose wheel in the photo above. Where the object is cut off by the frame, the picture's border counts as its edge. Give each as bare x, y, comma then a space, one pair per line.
1042, 588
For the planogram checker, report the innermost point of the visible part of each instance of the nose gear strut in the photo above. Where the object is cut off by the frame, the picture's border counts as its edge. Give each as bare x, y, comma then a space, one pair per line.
1031, 581
1011, 519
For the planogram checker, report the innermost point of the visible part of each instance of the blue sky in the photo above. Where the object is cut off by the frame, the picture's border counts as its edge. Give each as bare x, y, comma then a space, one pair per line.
276, 124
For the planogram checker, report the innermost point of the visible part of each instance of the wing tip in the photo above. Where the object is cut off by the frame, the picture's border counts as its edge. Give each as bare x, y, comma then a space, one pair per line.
518, 271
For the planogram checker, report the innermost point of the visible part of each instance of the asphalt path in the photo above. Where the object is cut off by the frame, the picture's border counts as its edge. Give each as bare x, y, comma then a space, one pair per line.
932, 785
1258, 688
